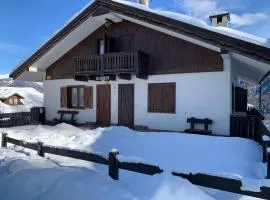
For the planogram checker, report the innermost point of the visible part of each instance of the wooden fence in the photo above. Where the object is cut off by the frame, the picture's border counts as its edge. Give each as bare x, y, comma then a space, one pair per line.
114, 165
35, 116
223, 184
112, 161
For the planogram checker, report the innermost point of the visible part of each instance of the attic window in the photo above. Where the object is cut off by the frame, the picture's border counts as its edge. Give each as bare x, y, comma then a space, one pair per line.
219, 20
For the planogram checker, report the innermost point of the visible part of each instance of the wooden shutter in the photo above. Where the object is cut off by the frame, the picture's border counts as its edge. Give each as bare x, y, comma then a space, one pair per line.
88, 97
168, 91
161, 97
63, 97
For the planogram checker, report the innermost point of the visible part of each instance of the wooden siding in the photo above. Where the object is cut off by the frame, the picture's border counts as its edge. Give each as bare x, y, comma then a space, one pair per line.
167, 54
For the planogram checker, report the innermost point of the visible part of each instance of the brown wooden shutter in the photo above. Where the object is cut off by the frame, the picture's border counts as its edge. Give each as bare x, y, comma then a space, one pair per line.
154, 98
88, 97
63, 98
168, 91
161, 97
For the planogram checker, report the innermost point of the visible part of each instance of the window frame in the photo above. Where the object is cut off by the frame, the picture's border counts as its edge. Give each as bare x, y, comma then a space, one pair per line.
161, 108
70, 97
101, 46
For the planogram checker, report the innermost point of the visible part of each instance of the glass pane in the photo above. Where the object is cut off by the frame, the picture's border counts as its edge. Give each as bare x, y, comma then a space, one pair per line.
74, 97
15, 101
101, 47
81, 97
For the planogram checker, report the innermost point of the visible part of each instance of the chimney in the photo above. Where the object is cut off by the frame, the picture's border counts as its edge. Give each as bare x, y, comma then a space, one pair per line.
144, 2
220, 19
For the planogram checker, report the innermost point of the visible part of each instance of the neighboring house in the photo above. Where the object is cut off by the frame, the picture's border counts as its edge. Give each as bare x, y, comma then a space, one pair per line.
14, 99
118, 62
11, 99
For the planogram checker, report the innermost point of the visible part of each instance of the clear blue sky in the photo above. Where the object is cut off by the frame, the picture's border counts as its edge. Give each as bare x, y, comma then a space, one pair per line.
25, 24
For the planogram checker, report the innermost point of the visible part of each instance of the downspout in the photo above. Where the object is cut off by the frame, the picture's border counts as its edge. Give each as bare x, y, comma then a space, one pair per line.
260, 98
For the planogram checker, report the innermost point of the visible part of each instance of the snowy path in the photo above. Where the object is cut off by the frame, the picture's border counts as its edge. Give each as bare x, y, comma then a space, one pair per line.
171, 151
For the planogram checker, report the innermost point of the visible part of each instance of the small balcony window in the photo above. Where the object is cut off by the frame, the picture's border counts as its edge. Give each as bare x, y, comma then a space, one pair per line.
101, 47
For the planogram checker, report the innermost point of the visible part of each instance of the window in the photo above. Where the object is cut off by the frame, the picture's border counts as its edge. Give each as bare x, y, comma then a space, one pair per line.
10, 101
219, 20
76, 97
101, 47
15, 101
161, 97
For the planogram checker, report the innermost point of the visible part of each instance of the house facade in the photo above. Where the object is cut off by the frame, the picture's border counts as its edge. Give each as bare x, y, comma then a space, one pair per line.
123, 63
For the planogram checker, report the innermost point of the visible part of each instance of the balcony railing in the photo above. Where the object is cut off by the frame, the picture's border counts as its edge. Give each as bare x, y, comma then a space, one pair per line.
112, 63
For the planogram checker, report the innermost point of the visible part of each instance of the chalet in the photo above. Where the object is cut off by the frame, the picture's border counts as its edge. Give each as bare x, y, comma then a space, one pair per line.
9, 97
118, 62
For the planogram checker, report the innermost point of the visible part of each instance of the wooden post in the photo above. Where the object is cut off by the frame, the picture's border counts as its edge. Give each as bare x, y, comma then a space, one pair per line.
268, 162
40, 149
113, 165
4, 139
264, 153
260, 98
265, 145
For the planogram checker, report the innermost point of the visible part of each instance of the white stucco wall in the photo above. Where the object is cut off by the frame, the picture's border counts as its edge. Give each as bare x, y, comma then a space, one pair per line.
197, 95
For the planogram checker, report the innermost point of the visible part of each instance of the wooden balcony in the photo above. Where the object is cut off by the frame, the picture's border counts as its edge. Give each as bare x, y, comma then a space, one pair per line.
132, 63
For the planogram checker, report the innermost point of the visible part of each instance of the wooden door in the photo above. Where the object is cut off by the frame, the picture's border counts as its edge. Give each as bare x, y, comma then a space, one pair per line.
104, 105
126, 105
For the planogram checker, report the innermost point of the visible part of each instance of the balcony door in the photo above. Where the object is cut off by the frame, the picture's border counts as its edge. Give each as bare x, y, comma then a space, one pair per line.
101, 47
105, 45
104, 105
239, 99
126, 105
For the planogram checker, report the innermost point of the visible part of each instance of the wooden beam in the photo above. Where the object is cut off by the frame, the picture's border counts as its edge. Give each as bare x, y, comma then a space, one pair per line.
81, 78
124, 76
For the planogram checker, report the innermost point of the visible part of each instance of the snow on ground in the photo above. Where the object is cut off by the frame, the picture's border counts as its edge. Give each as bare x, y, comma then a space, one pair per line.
32, 98
223, 156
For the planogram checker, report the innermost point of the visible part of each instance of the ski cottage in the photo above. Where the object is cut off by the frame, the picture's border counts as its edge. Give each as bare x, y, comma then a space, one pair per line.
123, 63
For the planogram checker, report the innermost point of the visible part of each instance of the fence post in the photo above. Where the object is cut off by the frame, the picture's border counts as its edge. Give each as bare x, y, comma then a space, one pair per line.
113, 165
40, 149
265, 144
4, 139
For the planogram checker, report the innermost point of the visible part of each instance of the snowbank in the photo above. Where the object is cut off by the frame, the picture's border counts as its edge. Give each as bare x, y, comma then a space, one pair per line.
222, 156
206, 154
36, 178
25, 178
65, 178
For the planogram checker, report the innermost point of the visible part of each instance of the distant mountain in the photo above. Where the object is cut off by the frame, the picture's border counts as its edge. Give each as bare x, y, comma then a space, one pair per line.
5, 81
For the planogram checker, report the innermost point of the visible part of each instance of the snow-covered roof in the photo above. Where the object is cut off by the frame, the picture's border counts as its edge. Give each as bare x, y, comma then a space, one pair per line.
6, 92
202, 24
245, 44
31, 98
